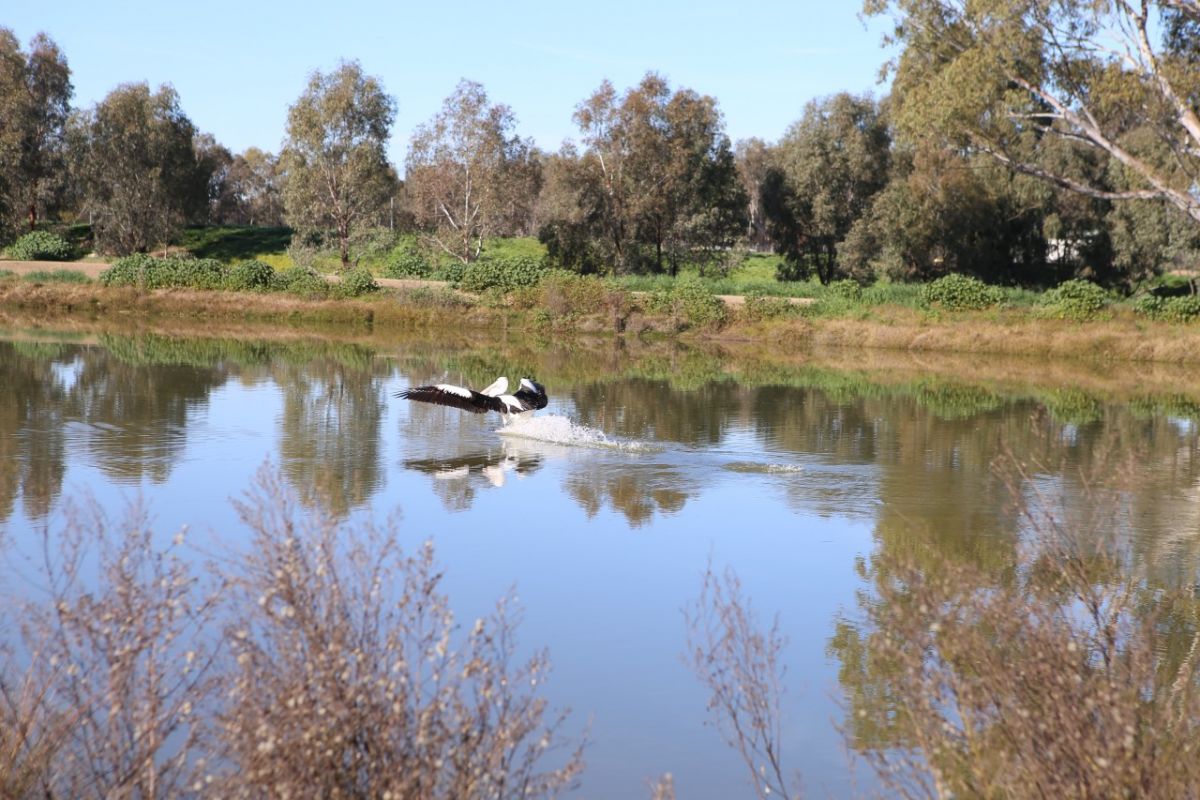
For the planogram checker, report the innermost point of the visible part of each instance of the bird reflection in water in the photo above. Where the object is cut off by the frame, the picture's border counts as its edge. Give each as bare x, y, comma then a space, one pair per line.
456, 479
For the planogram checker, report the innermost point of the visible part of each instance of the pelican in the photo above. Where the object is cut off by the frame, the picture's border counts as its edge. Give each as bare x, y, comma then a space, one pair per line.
530, 397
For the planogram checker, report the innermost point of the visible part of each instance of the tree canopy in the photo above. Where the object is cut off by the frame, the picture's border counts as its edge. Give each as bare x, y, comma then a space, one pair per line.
1003, 77
136, 161
656, 179
35, 94
827, 168
469, 175
334, 159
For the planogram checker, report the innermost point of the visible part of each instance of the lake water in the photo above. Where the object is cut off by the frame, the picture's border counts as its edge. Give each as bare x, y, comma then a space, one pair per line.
603, 512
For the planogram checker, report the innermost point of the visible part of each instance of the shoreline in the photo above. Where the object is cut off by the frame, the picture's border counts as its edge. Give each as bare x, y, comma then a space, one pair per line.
1012, 332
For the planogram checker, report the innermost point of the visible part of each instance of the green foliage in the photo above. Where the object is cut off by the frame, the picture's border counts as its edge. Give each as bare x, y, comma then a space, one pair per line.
41, 246
513, 246
690, 302
1169, 309
148, 272
249, 275
406, 261
504, 273
760, 307
848, 289
355, 283
956, 292
827, 168
56, 276
897, 294
235, 242
1075, 299
138, 168
337, 133
302, 282
35, 104
562, 293
451, 272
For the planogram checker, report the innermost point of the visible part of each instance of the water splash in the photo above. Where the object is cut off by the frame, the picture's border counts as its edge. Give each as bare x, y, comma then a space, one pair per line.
560, 430
765, 468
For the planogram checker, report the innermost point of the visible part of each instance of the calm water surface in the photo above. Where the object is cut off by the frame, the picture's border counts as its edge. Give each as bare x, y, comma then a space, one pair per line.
796, 478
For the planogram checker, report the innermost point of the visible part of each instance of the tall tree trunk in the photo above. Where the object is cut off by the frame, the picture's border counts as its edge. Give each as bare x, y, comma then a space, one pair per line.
32, 217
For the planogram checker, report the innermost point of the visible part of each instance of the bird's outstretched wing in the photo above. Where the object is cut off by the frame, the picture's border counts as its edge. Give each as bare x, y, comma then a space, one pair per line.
445, 394
498, 387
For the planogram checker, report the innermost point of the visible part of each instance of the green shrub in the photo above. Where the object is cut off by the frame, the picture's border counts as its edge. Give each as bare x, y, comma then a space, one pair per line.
355, 283
249, 275
148, 272
505, 273
565, 293
451, 272
1075, 299
956, 292
193, 273
41, 246
690, 302
846, 289
301, 281
761, 307
405, 261
126, 271
1170, 309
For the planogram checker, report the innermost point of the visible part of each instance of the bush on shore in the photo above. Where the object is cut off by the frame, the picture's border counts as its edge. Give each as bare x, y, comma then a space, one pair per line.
41, 246
148, 272
505, 273
956, 292
1077, 300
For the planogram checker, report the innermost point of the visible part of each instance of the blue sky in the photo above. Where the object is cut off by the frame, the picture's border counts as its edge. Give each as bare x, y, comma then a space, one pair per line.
237, 66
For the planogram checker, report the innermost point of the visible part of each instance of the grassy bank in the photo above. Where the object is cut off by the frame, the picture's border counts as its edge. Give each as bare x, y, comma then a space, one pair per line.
582, 307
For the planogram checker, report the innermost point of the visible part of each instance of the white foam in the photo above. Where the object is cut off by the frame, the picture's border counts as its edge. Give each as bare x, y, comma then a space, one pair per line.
766, 468
560, 430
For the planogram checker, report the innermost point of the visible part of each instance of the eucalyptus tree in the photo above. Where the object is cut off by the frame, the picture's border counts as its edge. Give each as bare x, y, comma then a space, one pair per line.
1120, 77
826, 170
35, 95
469, 175
137, 167
334, 161
753, 159
656, 178
253, 192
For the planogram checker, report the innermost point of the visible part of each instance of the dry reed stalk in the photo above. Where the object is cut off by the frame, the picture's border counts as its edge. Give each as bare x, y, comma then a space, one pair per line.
349, 680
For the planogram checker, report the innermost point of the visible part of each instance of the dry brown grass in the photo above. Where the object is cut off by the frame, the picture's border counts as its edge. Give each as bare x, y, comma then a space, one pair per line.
1125, 338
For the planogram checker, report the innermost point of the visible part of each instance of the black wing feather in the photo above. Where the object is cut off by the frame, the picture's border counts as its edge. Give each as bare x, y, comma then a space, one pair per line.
477, 403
